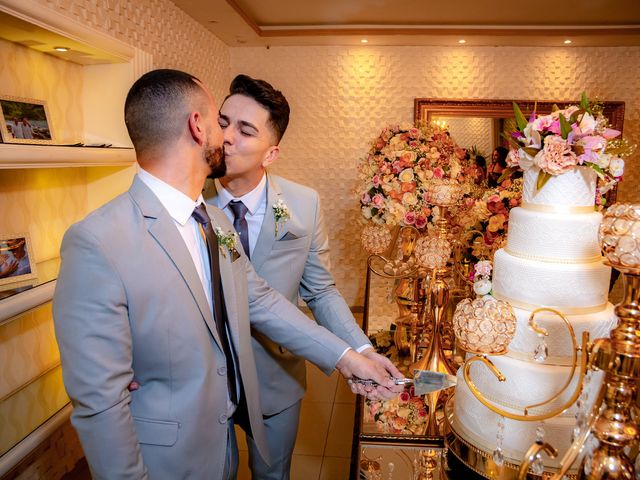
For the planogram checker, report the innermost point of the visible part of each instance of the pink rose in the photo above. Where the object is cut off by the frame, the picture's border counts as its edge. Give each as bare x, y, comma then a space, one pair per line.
438, 172
365, 199
420, 222
513, 202
376, 180
556, 157
410, 218
422, 412
396, 167
378, 200
404, 397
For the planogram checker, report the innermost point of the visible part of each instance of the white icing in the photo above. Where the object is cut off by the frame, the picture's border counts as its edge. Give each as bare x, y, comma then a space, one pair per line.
551, 236
549, 284
598, 325
575, 188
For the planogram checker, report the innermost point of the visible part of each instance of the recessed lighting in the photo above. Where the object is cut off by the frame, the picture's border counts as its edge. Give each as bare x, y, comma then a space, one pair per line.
61, 49
462, 41
567, 42
364, 40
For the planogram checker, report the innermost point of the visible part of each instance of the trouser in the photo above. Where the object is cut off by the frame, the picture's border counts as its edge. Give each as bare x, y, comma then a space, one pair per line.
281, 430
231, 458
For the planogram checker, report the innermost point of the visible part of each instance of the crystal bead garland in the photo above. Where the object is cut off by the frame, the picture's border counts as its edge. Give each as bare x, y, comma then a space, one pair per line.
537, 466
391, 467
541, 351
582, 407
498, 457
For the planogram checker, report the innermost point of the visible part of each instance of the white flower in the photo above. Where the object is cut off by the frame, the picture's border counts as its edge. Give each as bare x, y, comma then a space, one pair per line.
616, 167
525, 160
482, 286
406, 175
280, 213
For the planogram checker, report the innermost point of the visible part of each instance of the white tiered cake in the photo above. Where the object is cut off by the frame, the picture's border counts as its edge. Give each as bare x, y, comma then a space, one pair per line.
552, 259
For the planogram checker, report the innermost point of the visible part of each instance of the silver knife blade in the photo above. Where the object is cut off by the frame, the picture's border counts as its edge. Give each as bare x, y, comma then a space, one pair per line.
424, 381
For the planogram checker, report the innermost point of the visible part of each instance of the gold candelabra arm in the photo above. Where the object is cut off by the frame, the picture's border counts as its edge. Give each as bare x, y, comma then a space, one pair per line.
532, 454
526, 416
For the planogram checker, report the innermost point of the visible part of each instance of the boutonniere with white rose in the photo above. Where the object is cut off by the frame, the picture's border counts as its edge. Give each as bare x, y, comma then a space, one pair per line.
227, 241
281, 213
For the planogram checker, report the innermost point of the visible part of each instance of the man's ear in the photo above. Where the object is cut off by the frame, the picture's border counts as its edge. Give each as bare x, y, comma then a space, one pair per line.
271, 156
196, 127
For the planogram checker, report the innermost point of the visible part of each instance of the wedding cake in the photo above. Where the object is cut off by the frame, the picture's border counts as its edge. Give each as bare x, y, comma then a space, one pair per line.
551, 259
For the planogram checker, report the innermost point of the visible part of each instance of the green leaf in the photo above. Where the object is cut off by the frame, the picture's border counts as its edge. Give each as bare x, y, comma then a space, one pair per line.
531, 151
512, 141
554, 108
565, 127
520, 120
584, 102
507, 173
543, 178
599, 171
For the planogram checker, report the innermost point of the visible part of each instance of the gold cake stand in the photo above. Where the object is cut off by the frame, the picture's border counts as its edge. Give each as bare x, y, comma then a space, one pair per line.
478, 460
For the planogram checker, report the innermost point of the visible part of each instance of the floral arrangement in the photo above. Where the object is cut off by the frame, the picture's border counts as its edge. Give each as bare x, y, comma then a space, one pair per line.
281, 213
568, 138
394, 176
404, 414
484, 221
481, 277
228, 241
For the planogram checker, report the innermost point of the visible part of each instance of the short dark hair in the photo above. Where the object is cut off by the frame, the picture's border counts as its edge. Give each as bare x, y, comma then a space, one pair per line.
158, 103
267, 96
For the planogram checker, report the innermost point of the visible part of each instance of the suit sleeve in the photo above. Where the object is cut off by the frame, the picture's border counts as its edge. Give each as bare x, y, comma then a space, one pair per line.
318, 289
92, 329
276, 317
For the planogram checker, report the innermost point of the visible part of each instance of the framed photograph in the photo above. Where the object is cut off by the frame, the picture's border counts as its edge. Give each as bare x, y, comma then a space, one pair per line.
17, 263
24, 120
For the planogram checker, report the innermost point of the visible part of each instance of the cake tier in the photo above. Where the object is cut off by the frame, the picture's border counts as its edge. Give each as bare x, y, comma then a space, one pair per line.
575, 188
598, 324
550, 237
479, 425
571, 288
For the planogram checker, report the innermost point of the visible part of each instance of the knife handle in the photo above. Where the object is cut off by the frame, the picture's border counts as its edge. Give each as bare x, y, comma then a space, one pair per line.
373, 383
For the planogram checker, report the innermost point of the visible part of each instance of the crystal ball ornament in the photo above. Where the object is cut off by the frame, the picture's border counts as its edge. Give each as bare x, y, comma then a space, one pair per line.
443, 192
619, 237
432, 252
375, 239
484, 325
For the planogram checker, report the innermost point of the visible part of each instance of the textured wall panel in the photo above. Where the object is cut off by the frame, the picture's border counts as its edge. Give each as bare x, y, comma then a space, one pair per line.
159, 28
469, 132
341, 97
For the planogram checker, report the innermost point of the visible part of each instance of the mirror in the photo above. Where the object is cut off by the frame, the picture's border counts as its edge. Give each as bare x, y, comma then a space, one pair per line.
480, 123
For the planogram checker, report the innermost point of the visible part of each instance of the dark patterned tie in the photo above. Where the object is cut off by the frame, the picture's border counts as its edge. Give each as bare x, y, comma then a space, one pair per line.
219, 311
239, 210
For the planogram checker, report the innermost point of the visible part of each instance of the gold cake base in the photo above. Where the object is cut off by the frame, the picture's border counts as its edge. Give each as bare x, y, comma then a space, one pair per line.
479, 460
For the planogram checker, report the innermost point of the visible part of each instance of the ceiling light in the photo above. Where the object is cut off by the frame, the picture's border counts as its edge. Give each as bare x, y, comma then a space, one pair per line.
61, 49
462, 41
567, 42
364, 40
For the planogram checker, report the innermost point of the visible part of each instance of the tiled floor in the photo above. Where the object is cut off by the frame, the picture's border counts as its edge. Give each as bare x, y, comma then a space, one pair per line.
323, 447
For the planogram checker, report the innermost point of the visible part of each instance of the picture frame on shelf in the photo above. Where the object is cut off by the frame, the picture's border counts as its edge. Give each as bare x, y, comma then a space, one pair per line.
17, 262
25, 120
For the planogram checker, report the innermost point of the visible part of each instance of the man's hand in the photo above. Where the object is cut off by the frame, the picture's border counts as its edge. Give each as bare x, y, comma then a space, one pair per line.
353, 364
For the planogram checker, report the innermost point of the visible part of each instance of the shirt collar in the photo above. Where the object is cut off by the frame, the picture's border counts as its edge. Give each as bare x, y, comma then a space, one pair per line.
179, 205
252, 200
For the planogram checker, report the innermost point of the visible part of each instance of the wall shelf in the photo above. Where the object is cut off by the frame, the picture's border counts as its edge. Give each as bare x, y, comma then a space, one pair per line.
49, 156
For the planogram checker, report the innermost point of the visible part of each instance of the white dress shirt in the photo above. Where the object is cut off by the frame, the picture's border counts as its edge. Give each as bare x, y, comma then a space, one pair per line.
256, 203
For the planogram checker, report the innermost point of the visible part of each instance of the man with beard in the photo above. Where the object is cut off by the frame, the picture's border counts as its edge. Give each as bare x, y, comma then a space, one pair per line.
153, 283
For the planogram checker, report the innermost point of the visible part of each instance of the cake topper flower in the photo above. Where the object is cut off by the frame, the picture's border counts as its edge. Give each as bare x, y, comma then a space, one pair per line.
482, 278
578, 135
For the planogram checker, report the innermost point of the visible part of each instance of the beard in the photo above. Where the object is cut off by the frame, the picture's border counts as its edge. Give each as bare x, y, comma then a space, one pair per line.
214, 156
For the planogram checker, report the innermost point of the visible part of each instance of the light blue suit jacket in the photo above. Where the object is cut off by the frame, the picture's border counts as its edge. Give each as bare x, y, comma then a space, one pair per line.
128, 298
295, 261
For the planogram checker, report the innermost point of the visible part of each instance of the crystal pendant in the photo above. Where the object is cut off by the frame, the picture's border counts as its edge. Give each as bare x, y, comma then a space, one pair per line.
498, 457
541, 351
540, 432
391, 467
537, 467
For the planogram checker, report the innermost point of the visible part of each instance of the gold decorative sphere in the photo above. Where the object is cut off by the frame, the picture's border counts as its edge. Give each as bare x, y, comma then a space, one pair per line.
484, 325
619, 237
375, 238
432, 252
443, 192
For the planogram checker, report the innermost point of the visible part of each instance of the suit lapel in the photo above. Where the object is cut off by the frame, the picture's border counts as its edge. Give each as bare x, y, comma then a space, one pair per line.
162, 227
267, 236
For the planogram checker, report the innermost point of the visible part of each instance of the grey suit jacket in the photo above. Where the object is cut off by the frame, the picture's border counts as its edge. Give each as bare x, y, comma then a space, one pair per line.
295, 261
128, 298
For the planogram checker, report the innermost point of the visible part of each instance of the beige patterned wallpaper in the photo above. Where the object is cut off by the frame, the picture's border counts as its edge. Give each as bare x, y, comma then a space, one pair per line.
341, 97
468, 132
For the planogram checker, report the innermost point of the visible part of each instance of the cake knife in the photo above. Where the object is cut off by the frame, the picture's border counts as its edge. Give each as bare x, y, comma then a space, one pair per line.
424, 381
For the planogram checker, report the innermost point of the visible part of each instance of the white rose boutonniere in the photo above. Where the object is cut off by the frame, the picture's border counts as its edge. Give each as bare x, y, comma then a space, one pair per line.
281, 213
227, 241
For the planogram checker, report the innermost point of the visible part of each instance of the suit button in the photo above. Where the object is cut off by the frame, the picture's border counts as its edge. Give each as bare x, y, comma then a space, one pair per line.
222, 418
222, 371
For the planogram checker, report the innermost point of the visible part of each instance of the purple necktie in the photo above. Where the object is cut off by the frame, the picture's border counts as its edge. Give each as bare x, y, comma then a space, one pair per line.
239, 210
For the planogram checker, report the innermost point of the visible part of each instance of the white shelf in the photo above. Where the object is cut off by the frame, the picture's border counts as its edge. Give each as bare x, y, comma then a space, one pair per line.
49, 156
